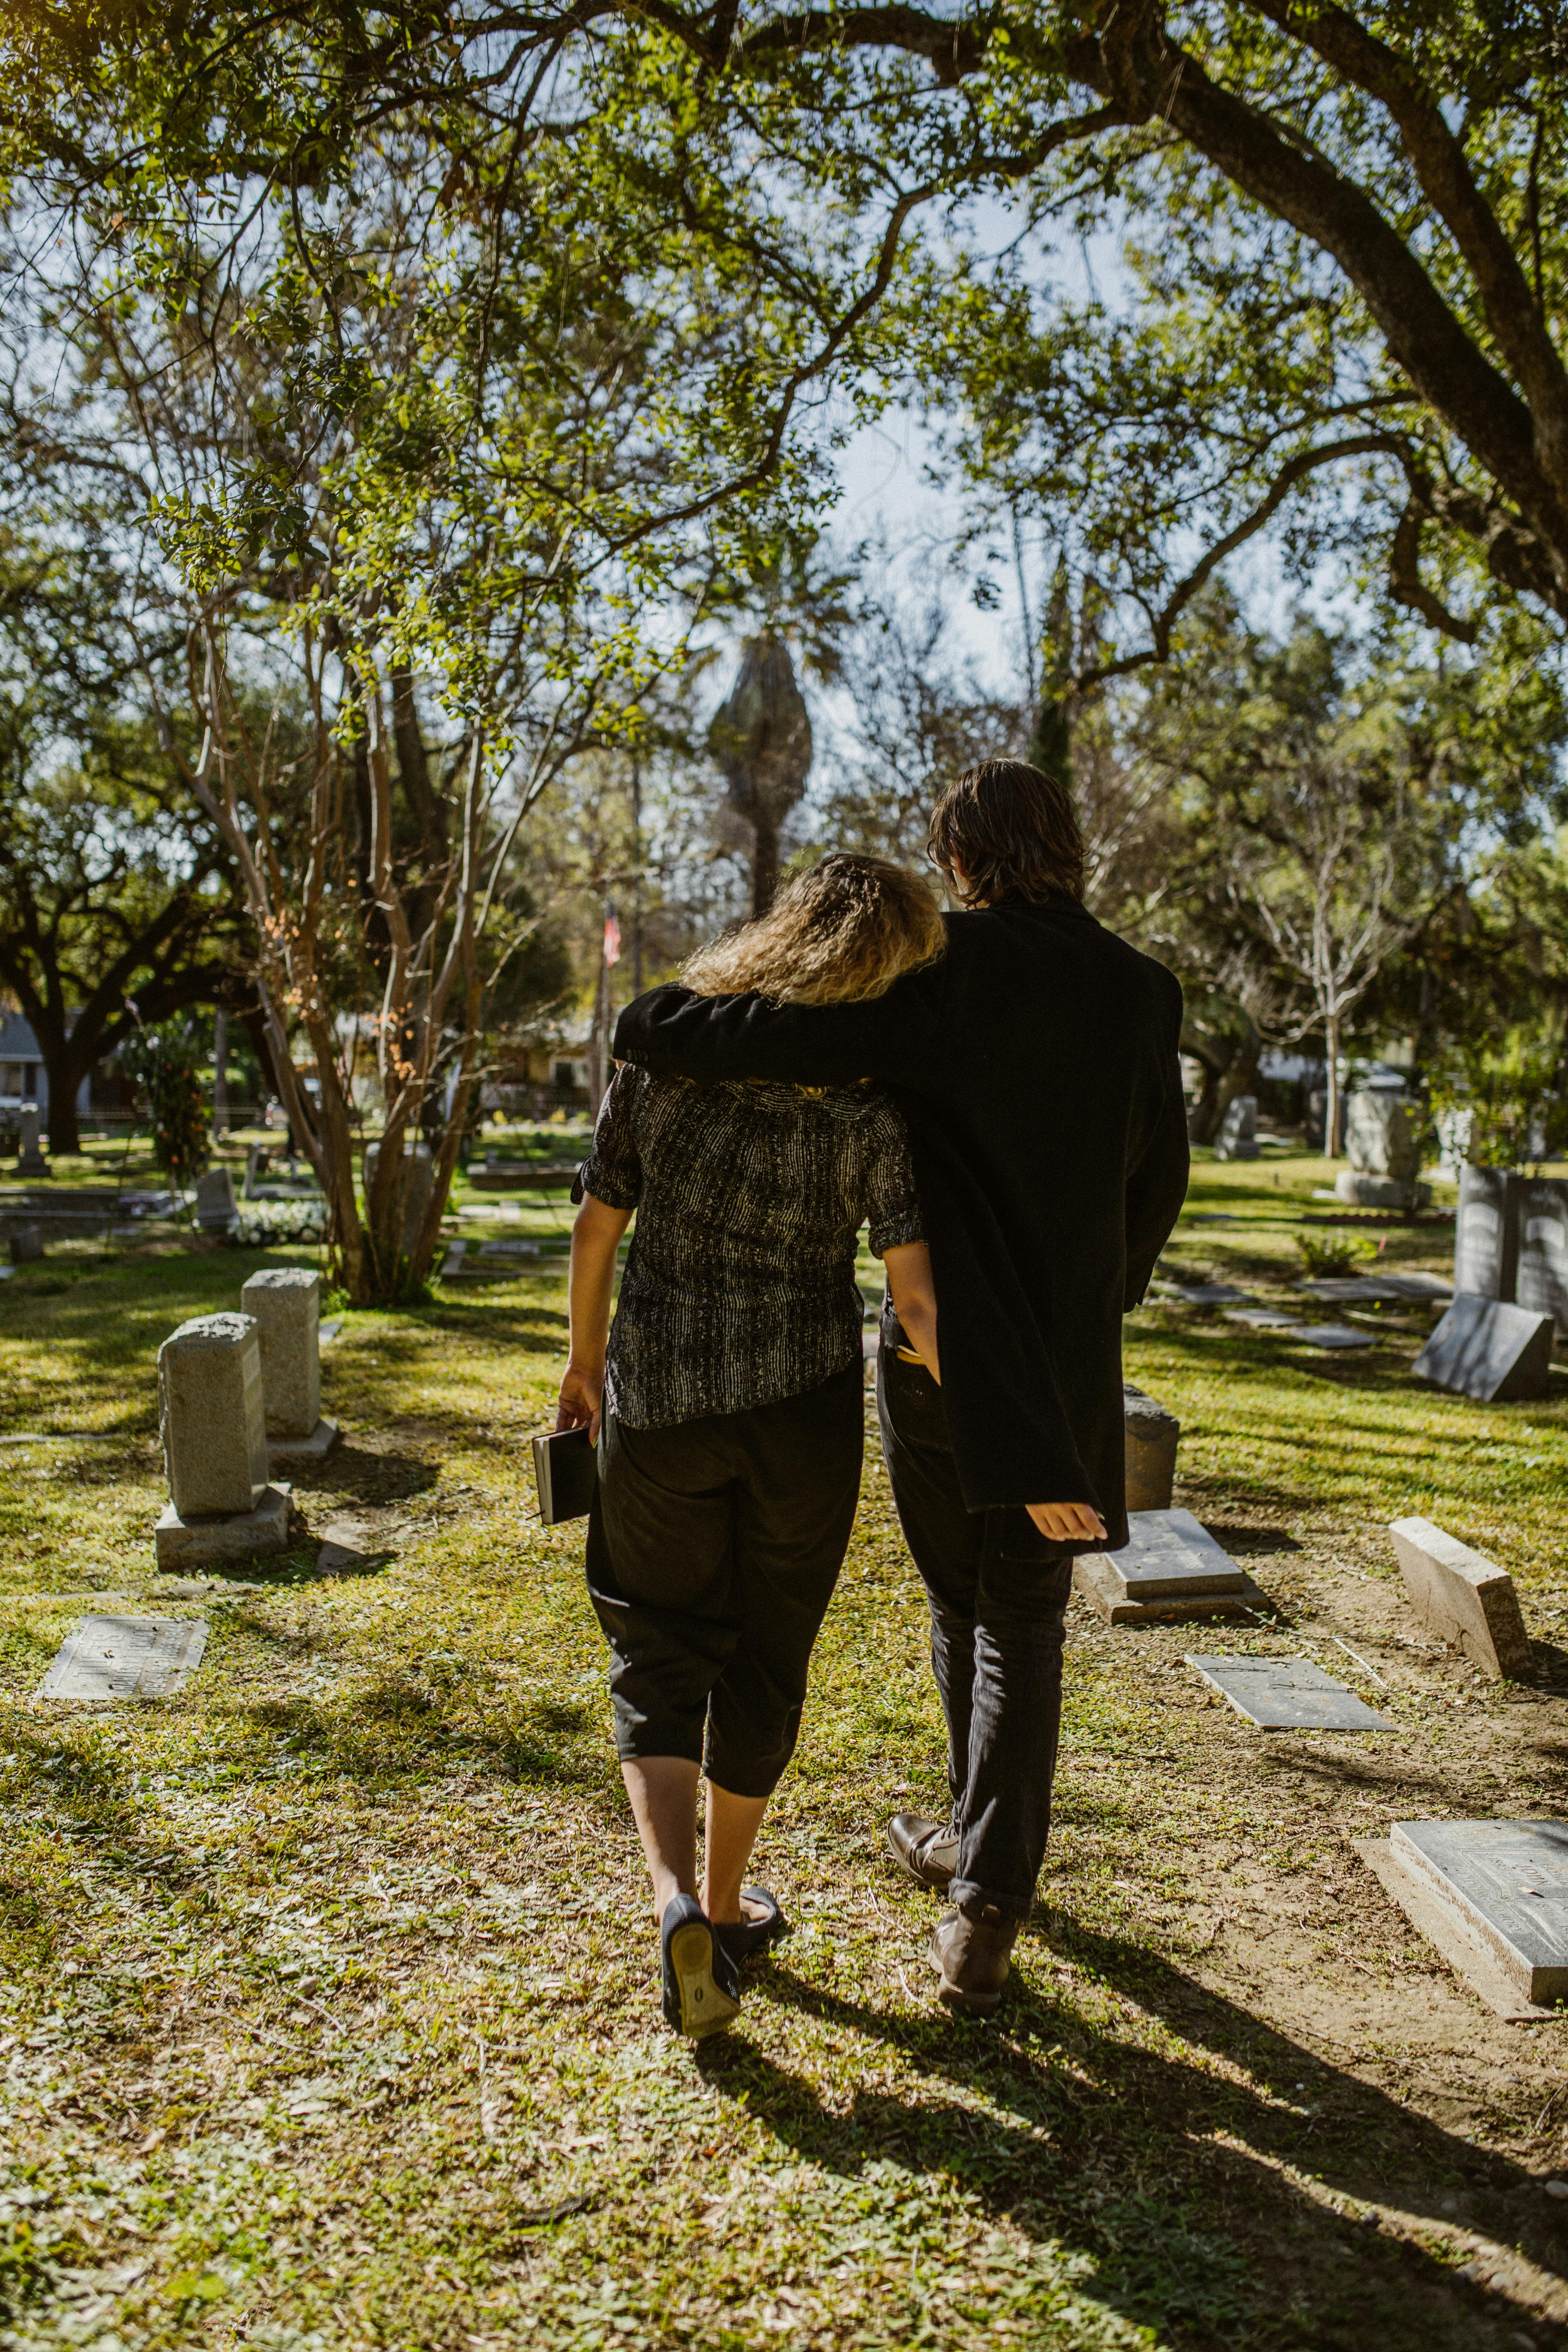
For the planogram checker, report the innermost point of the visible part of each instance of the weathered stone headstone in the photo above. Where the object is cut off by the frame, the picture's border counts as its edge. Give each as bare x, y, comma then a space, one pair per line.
1540, 1275
1151, 1436
256, 1161
211, 1415
1383, 1146
26, 1244
1484, 1348
126, 1657
1237, 1136
419, 1173
32, 1161
1463, 1598
1171, 1567
286, 1301
1288, 1694
216, 1210
1510, 1881
1486, 1233
1382, 1138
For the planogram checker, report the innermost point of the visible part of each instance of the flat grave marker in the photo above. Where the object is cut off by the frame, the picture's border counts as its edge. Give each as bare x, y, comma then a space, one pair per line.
1333, 1335
1488, 1350
1172, 1568
1288, 1694
1507, 1883
1206, 1294
1356, 1290
1263, 1319
126, 1657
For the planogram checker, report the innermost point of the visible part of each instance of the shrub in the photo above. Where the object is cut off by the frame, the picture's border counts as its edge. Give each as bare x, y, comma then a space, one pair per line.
1340, 1254
167, 1065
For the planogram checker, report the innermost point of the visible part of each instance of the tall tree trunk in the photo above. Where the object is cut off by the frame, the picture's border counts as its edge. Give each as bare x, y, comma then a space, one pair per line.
1332, 1105
765, 867
64, 1077
220, 1074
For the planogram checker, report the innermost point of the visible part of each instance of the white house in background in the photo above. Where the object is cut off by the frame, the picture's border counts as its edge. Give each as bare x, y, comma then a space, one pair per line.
23, 1077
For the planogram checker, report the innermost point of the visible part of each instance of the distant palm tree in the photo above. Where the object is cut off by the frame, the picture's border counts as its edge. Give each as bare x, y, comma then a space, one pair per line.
761, 739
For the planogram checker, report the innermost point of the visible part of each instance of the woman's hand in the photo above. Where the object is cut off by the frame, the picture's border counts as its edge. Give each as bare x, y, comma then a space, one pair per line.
581, 1402
914, 1300
1068, 1522
595, 1239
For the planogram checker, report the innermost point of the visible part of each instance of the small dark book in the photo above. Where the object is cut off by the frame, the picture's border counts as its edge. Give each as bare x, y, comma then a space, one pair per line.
565, 1469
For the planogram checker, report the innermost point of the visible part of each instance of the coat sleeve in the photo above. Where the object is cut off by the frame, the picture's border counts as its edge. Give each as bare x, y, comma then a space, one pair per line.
671, 1031
1157, 1180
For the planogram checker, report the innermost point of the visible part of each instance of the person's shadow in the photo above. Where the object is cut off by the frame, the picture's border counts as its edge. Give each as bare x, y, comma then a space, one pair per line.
1181, 2173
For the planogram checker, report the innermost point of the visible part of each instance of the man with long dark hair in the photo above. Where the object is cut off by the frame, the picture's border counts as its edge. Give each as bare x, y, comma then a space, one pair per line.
1036, 1065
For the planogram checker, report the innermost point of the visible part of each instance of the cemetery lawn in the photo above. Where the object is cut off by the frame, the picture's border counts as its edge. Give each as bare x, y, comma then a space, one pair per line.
328, 2009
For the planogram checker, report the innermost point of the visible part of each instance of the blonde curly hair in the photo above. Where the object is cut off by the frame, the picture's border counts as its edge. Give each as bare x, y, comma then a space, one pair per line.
841, 932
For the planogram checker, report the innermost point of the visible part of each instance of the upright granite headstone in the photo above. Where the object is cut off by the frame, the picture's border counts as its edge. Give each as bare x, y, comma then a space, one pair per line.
1464, 1597
1151, 1437
1486, 1233
1541, 1277
26, 1244
1383, 1144
32, 1161
1485, 1348
214, 1427
257, 1160
419, 1182
1237, 1137
216, 1211
286, 1301
212, 1417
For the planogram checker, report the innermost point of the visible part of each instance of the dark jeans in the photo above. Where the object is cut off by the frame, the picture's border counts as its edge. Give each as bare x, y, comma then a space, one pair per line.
998, 1595
713, 1548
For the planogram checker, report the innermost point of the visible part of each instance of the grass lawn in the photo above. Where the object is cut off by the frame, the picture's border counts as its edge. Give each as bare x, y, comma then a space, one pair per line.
328, 2009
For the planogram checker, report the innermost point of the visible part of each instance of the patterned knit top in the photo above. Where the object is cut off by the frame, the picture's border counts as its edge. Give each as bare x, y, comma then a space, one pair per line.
740, 1285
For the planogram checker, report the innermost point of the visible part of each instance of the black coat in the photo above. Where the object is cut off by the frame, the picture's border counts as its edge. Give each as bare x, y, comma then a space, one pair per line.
1035, 1065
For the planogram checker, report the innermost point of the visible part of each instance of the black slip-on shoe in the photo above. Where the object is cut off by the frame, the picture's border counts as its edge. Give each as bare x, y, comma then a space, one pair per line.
925, 1850
701, 1990
747, 1938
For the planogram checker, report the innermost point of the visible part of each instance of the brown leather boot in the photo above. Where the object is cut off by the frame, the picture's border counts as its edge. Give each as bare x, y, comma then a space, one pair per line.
925, 1849
971, 1949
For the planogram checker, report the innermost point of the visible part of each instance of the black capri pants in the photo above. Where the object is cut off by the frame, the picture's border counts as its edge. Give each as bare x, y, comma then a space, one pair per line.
713, 1548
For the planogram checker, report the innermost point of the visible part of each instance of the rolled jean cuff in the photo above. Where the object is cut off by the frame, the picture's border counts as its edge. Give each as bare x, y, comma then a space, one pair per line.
968, 1896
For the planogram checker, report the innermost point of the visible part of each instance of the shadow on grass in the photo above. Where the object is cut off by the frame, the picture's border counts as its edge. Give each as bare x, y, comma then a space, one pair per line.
1175, 2179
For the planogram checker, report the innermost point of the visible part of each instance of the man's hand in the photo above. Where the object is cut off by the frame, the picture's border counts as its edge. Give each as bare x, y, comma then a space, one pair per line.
1067, 1522
581, 1399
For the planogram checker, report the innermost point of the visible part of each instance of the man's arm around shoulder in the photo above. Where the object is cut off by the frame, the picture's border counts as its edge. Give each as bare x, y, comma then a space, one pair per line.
709, 1037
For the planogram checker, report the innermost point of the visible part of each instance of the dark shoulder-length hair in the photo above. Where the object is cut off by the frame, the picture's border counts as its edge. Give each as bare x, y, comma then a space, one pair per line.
1007, 830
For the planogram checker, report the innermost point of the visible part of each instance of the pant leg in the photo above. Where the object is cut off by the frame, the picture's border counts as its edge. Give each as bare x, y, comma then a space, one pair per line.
946, 1540
660, 1569
797, 1481
1016, 1722
998, 1596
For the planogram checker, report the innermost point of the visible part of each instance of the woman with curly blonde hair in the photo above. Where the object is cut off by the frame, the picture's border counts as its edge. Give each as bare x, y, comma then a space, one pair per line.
726, 1399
